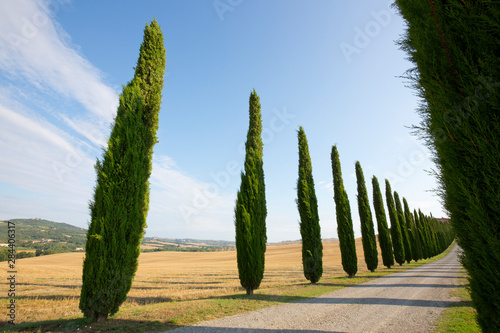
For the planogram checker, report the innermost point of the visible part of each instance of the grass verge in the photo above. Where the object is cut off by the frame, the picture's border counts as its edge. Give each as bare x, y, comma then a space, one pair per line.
171, 314
460, 317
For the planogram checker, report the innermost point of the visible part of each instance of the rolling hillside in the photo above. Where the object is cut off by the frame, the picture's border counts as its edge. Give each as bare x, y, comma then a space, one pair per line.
55, 237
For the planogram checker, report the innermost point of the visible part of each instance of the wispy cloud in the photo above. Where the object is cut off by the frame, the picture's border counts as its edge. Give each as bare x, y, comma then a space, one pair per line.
184, 203
36, 48
47, 153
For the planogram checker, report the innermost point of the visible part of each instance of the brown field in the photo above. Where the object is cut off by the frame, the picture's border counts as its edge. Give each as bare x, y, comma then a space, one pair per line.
48, 287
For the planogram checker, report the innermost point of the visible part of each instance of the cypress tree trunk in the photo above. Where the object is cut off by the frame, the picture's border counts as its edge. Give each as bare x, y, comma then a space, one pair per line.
384, 238
416, 246
251, 211
121, 196
454, 46
312, 246
365, 216
404, 228
344, 220
397, 238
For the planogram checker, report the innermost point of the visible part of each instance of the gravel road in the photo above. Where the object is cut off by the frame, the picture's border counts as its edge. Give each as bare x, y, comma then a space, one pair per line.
409, 301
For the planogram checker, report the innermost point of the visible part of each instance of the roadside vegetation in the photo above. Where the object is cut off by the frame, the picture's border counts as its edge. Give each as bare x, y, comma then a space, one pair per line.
190, 288
461, 317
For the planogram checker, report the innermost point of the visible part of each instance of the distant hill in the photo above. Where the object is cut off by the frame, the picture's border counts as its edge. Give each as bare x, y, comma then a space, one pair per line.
39, 234
55, 237
290, 242
153, 244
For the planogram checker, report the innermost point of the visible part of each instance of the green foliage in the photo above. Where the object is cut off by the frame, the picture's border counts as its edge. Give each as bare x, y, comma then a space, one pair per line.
416, 245
121, 197
384, 238
454, 46
365, 216
397, 237
250, 210
404, 228
307, 204
344, 220
421, 235
4, 254
44, 234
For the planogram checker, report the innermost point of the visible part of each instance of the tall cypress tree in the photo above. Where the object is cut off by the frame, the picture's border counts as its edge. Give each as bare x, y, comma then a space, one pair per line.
384, 238
121, 197
454, 46
312, 246
416, 246
397, 237
251, 211
404, 228
344, 219
421, 235
365, 216
427, 234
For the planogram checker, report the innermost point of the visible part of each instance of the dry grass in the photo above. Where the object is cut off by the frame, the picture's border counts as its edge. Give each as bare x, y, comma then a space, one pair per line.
48, 287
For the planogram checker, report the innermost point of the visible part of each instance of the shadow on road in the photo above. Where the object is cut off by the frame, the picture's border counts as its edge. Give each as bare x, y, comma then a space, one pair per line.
380, 301
206, 329
402, 285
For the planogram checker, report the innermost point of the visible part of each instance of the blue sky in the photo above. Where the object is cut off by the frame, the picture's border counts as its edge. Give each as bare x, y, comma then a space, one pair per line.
332, 67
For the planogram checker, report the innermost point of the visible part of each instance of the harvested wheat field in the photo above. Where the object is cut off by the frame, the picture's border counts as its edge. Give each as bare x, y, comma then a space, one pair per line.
48, 287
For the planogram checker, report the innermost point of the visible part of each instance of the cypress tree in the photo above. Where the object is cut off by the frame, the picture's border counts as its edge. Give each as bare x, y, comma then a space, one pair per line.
397, 237
344, 219
416, 246
250, 210
384, 238
421, 235
427, 234
404, 228
121, 196
365, 216
454, 46
312, 246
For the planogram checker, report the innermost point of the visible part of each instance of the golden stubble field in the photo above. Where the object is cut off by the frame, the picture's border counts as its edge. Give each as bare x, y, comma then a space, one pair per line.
48, 288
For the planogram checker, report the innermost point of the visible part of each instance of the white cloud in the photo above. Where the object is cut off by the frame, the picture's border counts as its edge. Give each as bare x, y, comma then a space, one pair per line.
35, 48
46, 170
43, 168
180, 202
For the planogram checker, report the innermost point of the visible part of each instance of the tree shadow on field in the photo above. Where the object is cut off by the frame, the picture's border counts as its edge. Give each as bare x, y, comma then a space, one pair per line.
166, 282
86, 326
67, 286
137, 300
260, 297
329, 284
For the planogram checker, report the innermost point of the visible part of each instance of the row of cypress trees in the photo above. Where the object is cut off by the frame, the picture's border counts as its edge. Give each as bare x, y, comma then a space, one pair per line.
411, 236
454, 47
121, 201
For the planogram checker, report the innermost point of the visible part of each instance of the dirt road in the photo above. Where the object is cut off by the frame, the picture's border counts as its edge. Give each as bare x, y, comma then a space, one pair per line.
409, 301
